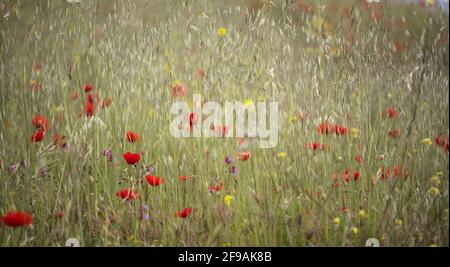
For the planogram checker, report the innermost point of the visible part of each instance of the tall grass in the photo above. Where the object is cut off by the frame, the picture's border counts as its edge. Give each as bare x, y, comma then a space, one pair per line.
332, 66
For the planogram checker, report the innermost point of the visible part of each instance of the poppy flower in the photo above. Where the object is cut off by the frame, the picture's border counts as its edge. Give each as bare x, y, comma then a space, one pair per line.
315, 146
17, 219
442, 141
243, 156
390, 113
59, 140
105, 102
89, 109
339, 130
200, 73
131, 158
133, 137
40, 122
394, 133
38, 136
184, 212
393, 172
179, 90
192, 119
74, 95
184, 177
88, 87
355, 176
324, 128
154, 180
59, 214
128, 194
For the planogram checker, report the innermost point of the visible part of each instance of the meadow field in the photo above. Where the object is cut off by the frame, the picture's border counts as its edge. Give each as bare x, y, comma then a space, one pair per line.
86, 89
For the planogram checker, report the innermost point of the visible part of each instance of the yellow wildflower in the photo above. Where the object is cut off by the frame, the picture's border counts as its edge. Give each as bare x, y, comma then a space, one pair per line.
355, 230
222, 31
398, 222
337, 221
434, 191
228, 199
248, 103
355, 132
281, 155
435, 180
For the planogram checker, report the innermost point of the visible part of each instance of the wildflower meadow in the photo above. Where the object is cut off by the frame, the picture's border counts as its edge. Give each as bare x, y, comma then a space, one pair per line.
350, 137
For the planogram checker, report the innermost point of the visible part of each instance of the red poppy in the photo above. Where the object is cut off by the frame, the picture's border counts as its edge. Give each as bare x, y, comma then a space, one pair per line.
59, 214
57, 139
220, 130
389, 113
243, 156
88, 87
74, 95
324, 128
442, 141
105, 102
133, 137
339, 130
154, 180
398, 46
184, 212
40, 122
215, 188
128, 194
200, 73
344, 209
131, 158
394, 133
179, 90
89, 109
355, 176
38, 136
393, 172
192, 119
17, 219
184, 177
315, 146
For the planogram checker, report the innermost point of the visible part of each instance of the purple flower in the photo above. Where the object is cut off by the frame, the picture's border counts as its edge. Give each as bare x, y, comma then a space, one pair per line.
233, 170
107, 153
12, 168
228, 160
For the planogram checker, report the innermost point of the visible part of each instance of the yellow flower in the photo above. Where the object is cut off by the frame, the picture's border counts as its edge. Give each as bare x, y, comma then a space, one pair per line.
398, 222
434, 191
292, 118
435, 180
227, 244
355, 230
355, 132
433, 246
281, 155
362, 214
222, 31
337, 221
228, 199
427, 141
248, 103
439, 173
431, 2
